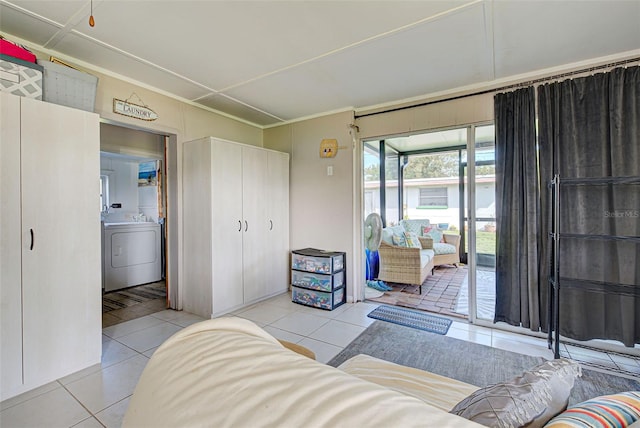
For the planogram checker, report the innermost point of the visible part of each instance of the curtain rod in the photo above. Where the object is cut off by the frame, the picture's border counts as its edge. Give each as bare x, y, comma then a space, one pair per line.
504, 88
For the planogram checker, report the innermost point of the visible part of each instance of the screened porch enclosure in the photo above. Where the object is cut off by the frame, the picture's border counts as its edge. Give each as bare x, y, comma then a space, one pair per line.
427, 176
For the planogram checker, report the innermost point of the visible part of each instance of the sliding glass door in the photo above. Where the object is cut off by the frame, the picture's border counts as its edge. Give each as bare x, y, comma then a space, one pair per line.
479, 232
429, 176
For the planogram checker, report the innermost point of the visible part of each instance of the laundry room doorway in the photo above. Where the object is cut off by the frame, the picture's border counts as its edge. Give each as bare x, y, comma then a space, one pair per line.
134, 219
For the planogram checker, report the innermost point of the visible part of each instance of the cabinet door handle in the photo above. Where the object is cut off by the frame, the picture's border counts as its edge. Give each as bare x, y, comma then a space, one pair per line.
246, 225
239, 226
32, 240
270, 224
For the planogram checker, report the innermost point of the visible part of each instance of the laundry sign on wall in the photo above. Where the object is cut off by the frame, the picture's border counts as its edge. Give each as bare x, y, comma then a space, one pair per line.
137, 111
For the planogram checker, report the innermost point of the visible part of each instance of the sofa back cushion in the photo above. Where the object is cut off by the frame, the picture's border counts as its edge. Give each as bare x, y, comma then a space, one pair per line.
389, 232
434, 232
415, 226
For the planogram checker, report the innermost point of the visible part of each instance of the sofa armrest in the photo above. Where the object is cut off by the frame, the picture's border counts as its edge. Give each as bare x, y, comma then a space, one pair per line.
452, 239
392, 253
433, 389
426, 242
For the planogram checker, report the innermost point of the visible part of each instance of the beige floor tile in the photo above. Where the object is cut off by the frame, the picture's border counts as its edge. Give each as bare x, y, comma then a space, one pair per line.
324, 351
131, 326
337, 333
28, 395
89, 423
148, 338
103, 389
300, 323
112, 416
55, 408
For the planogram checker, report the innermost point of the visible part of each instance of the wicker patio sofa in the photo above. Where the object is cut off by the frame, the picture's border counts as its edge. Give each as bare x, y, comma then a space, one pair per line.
447, 250
411, 265
405, 265
447, 258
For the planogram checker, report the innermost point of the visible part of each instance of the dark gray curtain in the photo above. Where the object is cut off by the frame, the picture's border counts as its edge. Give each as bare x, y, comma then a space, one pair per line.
589, 128
517, 210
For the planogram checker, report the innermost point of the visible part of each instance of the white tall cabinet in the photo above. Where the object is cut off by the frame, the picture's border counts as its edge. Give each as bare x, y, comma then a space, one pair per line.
50, 307
236, 225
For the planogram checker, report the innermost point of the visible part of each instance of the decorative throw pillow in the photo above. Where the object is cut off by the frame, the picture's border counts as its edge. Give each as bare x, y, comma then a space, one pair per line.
399, 239
433, 232
614, 411
530, 400
412, 240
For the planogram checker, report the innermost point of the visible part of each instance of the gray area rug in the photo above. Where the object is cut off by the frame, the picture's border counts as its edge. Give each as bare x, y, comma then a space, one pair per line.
466, 361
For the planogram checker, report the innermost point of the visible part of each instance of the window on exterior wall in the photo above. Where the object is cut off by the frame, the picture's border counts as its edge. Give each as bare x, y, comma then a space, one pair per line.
433, 197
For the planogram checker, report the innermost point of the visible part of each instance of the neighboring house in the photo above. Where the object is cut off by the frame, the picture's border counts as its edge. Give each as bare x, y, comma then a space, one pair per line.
436, 199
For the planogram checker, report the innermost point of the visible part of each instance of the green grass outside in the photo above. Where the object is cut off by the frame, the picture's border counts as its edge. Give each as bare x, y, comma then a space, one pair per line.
485, 242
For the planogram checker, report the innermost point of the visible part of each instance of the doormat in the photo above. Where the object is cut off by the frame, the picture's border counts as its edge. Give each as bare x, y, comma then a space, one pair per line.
414, 319
125, 298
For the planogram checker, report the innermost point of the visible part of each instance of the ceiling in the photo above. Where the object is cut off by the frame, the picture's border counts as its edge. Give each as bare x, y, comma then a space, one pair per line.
267, 62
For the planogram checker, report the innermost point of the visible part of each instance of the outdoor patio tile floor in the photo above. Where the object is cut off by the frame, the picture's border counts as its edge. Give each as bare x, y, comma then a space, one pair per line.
439, 292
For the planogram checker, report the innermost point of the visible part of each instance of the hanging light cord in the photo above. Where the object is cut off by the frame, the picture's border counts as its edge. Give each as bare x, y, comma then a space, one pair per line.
92, 21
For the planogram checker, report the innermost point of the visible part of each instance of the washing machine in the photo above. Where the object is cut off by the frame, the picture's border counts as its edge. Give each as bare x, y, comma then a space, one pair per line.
131, 254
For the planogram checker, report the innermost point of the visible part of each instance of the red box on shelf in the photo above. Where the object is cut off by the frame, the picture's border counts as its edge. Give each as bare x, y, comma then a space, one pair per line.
13, 50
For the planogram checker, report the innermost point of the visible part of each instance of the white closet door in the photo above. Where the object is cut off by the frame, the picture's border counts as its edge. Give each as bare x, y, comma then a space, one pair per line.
227, 224
10, 246
61, 265
278, 211
254, 242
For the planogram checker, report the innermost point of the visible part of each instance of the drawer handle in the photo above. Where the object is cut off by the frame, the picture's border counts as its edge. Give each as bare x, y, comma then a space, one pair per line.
32, 239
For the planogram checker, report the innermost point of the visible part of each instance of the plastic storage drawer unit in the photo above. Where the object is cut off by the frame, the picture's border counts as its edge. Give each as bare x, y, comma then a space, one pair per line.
318, 278
314, 281
318, 261
318, 299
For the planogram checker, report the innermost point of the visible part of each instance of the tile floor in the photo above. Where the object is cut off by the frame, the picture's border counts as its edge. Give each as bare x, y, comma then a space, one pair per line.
99, 396
439, 292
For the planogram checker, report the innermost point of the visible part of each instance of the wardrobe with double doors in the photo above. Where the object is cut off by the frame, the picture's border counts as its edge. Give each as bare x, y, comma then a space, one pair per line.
236, 225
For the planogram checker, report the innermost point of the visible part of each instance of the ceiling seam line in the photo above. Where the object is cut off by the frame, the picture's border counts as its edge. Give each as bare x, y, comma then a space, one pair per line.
144, 61
67, 28
355, 44
250, 106
506, 87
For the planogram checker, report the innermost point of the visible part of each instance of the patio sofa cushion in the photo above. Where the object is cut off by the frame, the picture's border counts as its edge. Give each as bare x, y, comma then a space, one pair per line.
389, 232
415, 226
442, 248
425, 257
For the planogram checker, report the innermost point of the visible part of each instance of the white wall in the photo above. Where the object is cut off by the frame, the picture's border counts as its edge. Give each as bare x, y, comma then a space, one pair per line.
123, 187
322, 207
